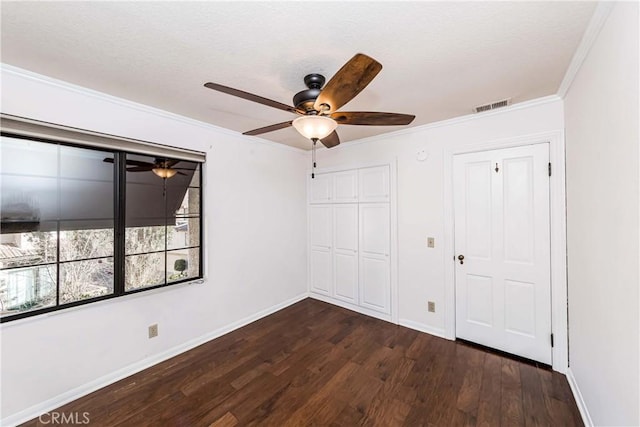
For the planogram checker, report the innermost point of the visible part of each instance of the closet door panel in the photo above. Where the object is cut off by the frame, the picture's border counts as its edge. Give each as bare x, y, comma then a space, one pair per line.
321, 188
345, 186
375, 275
373, 184
346, 252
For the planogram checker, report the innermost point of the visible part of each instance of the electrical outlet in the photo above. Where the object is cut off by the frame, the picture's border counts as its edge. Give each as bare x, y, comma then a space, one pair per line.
153, 331
431, 306
431, 242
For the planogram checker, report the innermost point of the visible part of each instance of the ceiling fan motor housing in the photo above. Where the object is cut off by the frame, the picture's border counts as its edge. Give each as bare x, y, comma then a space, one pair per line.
305, 99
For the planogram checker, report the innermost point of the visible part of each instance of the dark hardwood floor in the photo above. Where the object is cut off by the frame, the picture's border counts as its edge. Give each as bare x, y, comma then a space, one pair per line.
317, 364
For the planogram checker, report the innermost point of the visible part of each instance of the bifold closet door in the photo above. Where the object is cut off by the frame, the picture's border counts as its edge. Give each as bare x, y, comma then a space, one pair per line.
375, 274
345, 252
321, 248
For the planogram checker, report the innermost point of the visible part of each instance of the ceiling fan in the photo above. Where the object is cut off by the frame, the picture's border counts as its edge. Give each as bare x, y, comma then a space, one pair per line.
164, 168
318, 105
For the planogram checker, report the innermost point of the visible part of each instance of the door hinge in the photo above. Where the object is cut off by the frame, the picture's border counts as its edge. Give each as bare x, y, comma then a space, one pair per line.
551, 340
549, 168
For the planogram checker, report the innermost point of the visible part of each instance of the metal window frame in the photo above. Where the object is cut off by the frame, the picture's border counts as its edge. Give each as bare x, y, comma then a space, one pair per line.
119, 256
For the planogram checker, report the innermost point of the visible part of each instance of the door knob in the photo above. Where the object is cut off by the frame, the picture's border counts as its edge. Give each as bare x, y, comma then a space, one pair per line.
461, 258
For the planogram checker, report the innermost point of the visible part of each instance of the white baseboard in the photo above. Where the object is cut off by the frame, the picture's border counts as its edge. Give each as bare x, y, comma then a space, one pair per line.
582, 406
421, 327
76, 393
427, 329
352, 307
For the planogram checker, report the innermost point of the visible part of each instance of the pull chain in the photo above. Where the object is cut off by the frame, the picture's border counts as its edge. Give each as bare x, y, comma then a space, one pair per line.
313, 158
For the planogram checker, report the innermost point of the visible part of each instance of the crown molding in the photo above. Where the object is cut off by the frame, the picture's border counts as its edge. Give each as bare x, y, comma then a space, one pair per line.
40, 78
600, 15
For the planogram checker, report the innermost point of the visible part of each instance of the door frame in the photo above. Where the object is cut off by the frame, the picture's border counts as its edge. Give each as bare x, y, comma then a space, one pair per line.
557, 207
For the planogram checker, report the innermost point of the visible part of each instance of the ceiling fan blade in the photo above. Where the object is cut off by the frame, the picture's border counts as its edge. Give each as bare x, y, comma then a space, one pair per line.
140, 168
371, 118
131, 162
251, 97
269, 128
332, 140
349, 81
139, 163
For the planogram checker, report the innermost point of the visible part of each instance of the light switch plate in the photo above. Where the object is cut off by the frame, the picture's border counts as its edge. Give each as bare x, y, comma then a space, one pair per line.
431, 242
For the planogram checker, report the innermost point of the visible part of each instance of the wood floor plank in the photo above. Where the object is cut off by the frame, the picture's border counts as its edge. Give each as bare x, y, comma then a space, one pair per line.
425, 378
322, 408
227, 420
420, 346
534, 410
296, 395
386, 414
490, 392
349, 416
469, 394
316, 364
511, 406
450, 386
558, 401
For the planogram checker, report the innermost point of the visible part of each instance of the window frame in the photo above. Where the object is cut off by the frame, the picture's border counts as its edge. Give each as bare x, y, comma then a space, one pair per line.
119, 237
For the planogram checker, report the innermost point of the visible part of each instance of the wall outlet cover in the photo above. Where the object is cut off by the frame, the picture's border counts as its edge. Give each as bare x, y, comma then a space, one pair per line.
153, 331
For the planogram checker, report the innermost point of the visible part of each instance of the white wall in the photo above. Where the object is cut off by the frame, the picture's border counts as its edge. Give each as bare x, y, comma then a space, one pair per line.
255, 196
601, 116
256, 232
420, 192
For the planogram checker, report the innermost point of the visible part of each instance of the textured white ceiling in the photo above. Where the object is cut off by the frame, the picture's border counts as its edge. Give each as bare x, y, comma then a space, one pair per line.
440, 59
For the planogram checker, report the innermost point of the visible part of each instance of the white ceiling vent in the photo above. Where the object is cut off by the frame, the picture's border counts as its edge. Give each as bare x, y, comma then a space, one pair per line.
492, 105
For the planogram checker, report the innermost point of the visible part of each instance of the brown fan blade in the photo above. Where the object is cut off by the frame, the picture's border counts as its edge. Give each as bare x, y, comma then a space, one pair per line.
332, 140
251, 97
130, 162
140, 168
371, 118
270, 128
349, 81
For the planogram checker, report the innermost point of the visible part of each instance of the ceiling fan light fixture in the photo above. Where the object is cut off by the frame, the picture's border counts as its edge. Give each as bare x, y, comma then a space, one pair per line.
314, 127
164, 172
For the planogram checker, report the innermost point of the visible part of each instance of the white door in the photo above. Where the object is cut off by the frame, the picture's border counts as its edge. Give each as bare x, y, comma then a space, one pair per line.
503, 289
345, 252
375, 275
321, 248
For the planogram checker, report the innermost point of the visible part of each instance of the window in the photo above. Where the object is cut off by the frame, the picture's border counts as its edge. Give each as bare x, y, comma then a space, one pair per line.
83, 224
163, 234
